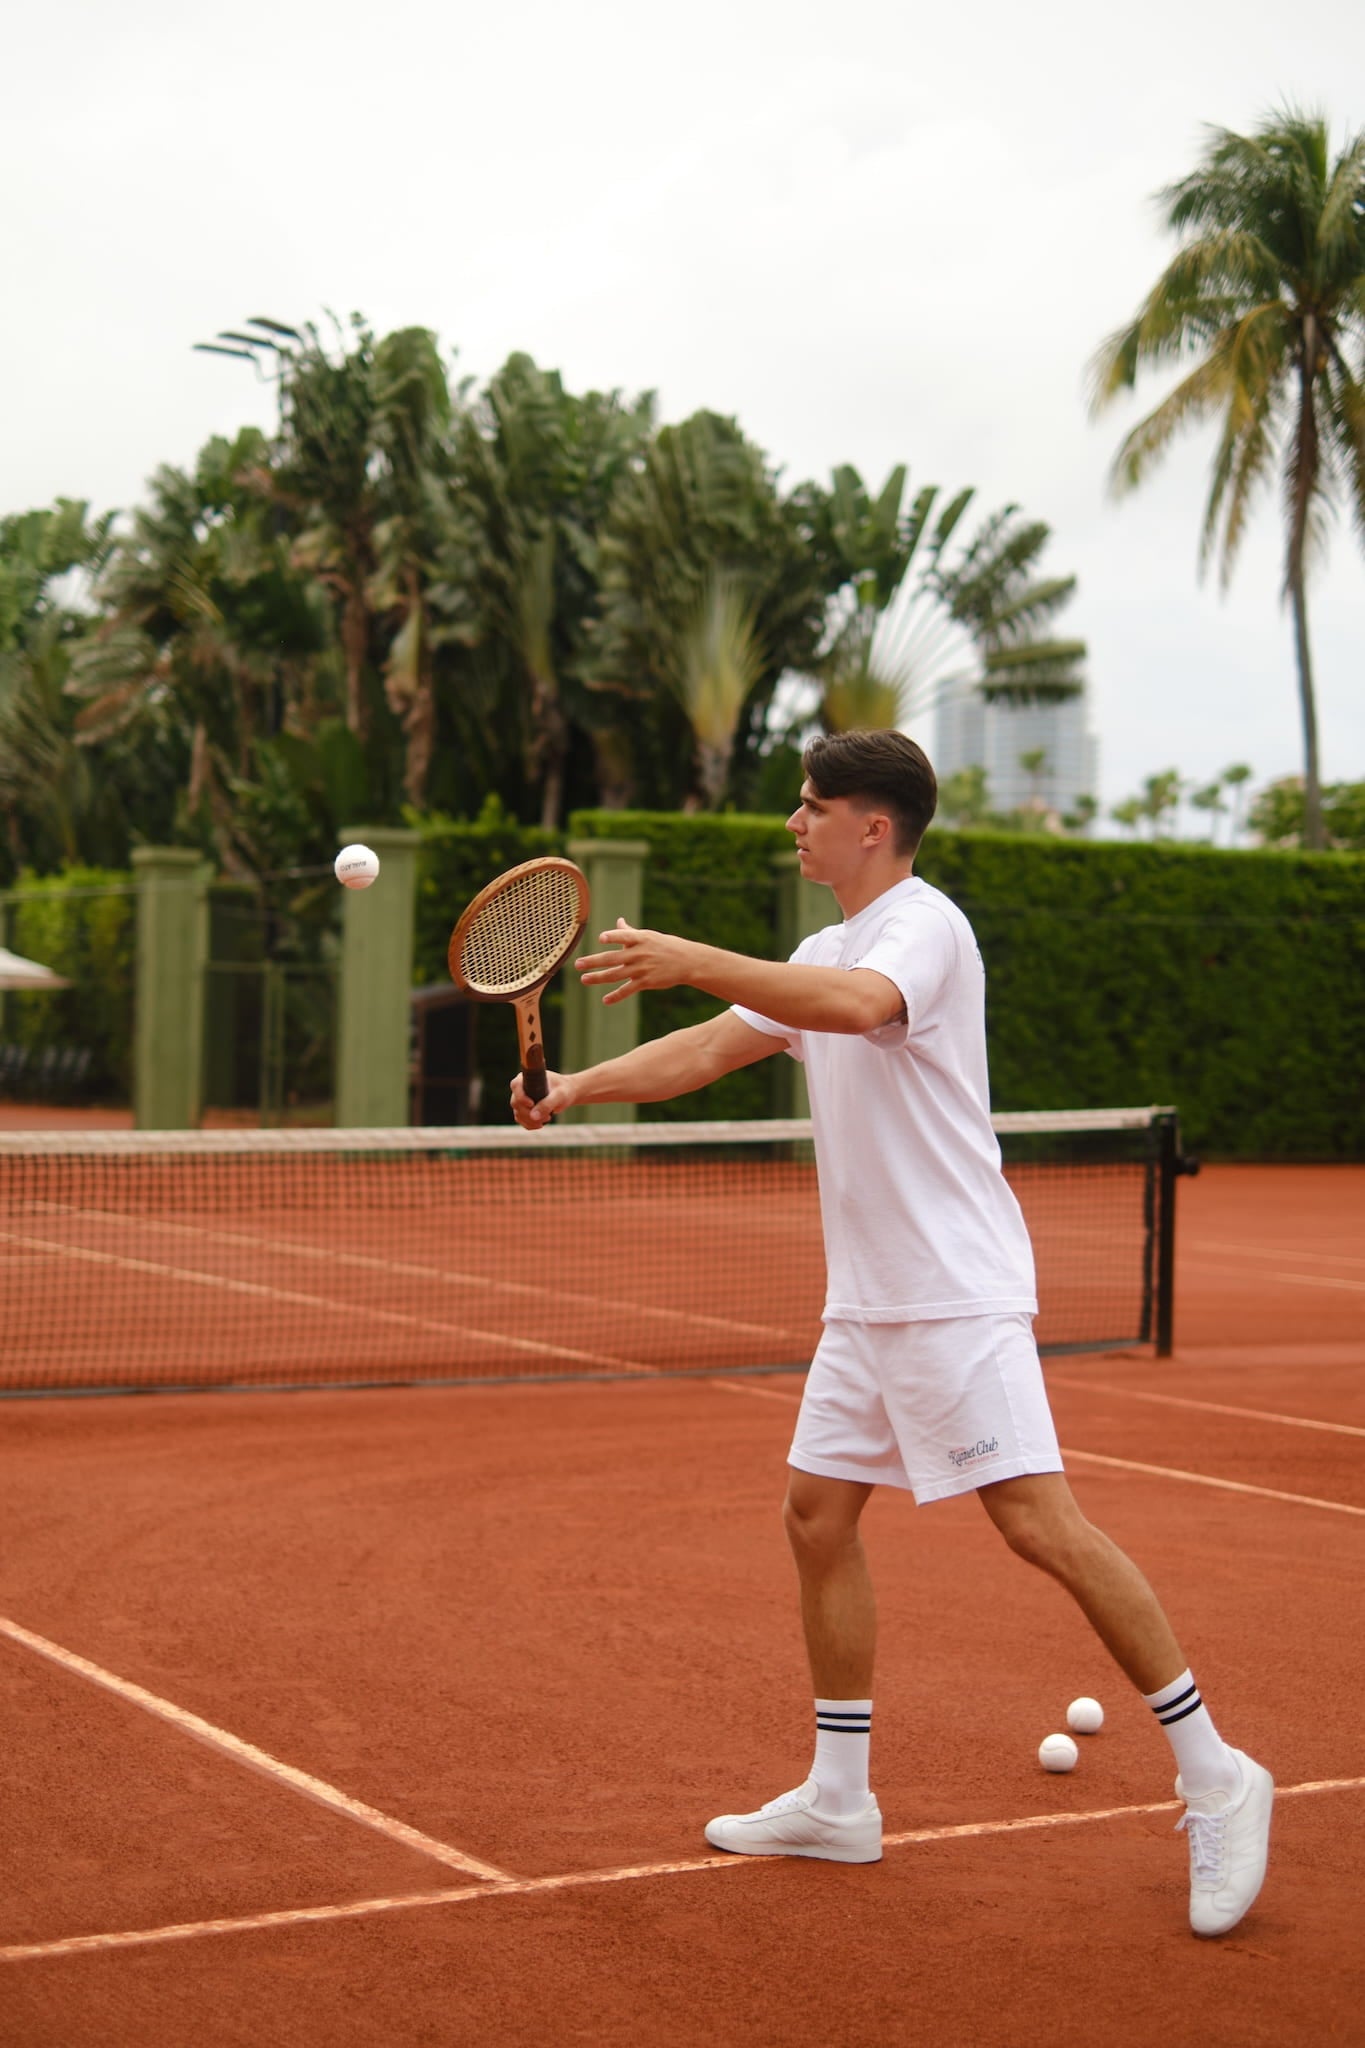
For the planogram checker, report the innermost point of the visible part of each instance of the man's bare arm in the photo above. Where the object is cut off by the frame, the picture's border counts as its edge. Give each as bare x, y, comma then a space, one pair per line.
839, 999
668, 1066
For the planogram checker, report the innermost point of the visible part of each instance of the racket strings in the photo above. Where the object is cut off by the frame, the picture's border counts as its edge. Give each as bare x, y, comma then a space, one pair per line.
521, 934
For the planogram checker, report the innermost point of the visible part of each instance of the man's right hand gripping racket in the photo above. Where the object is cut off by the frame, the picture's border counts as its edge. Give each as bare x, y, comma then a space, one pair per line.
512, 940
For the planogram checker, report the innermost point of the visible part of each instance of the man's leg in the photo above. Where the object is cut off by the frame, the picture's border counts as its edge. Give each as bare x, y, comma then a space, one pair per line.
1039, 1519
838, 1610
1228, 1796
833, 1814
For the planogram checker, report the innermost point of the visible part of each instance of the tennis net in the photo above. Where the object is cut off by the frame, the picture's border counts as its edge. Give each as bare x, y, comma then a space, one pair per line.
309, 1258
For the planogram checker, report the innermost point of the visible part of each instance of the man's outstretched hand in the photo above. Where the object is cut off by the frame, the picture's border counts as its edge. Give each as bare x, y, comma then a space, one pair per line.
638, 960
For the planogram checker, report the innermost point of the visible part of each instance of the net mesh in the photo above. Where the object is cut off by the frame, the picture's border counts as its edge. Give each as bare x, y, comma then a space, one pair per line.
520, 935
326, 1257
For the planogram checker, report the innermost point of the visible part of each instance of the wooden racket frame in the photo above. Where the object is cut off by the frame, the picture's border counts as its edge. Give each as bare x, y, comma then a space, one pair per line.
525, 1001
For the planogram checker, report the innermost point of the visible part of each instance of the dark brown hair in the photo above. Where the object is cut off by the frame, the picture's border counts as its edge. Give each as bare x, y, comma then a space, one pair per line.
885, 769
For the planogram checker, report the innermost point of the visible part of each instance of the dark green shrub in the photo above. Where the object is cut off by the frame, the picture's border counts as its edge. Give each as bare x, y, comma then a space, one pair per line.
709, 876
1229, 984
82, 923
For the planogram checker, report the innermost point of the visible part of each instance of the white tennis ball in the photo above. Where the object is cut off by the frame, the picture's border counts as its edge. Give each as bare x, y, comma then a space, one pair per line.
356, 867
1086, 1716
1058, 1753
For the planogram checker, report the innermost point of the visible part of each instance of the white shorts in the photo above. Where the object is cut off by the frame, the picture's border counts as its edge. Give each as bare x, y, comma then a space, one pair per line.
938, 1407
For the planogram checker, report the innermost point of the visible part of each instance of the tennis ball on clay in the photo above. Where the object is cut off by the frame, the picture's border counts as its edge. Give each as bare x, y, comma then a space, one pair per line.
1086, 1716
356, 867
1058, 1753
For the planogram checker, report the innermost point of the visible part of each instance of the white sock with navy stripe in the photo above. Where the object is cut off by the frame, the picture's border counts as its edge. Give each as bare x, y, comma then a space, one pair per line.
1203, 1759
843, 1738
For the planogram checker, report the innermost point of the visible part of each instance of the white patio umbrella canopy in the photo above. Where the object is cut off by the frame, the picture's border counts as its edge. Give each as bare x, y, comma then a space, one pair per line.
16, 972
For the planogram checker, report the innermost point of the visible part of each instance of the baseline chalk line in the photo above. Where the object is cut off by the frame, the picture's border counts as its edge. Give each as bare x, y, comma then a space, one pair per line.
247, 1753
357, 1909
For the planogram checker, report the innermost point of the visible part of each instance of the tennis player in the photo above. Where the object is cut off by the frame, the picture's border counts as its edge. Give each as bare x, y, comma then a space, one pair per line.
927, 1375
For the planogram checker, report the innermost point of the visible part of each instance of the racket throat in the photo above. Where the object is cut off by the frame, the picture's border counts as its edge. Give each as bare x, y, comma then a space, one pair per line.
534, 1078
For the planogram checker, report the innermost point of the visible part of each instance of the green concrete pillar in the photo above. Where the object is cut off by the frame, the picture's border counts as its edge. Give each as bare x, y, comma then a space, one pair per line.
802, 908
168, 1015
615, 869
374, 992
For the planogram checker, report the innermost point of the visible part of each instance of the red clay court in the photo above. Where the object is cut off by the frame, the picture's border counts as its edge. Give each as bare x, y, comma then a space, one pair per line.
393, 1717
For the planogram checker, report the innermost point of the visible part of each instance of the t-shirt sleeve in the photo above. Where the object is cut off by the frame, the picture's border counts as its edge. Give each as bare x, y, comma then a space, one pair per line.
918, 951
796, 1044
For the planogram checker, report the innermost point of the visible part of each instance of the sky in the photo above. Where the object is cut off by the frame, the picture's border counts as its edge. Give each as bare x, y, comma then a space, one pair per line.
872, 233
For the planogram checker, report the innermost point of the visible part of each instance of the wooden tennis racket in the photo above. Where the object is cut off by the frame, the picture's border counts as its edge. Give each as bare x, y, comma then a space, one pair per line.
511, 941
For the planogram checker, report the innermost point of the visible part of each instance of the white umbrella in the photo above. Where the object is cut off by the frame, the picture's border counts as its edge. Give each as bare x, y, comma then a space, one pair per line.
16, 972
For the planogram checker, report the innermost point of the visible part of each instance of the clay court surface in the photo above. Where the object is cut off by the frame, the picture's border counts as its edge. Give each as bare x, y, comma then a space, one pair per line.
393, 1717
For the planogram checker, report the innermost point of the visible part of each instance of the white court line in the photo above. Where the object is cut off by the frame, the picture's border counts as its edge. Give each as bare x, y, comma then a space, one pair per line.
344, 1308
758, 1393
364, 1262
1296, 1279
247, 1753
1278, 1251
356, 1909
1209, 1407
1303, 1500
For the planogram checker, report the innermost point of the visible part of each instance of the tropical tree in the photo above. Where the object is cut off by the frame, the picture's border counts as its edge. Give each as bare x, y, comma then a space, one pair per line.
922, 611
1235, 780
1210, 801
963, 798
719, 662
55, 806
1082, 814
1267, 296
207, 627
535, 470
1277, 814
408, 472
697, 530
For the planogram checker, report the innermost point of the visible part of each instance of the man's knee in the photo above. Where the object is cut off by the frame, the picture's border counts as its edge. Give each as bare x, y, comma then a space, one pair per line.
821, 1515
1040, 1523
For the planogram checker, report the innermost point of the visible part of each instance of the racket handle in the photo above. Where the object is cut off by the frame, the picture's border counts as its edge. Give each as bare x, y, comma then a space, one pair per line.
534, 1078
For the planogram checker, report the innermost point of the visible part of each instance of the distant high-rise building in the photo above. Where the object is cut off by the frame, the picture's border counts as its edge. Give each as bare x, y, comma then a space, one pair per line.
971, 733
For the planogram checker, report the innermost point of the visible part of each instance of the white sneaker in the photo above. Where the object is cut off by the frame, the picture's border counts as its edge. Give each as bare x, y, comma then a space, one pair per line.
1229, 1835
791, 1826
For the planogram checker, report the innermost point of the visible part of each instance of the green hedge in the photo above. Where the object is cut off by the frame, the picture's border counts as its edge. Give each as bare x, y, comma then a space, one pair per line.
82, 923
457, 857
1230, 984
711, 877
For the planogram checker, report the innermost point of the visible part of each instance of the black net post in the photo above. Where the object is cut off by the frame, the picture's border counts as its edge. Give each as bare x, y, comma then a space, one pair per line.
1171, 1164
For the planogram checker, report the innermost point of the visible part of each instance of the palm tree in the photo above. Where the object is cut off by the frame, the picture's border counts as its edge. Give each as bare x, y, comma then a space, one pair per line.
207, 628
921, 614
1210, 801
1268, 293
1236, 779
411, 412
61, 800
535, 468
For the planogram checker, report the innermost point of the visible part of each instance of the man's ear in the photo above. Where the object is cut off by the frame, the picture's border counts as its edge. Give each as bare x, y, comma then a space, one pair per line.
877, 829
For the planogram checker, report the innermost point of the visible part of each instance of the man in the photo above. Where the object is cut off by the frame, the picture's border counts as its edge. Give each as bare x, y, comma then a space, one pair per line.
927, 1376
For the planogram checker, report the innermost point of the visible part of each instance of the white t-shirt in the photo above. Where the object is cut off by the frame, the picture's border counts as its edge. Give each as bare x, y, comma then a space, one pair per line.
919, 1221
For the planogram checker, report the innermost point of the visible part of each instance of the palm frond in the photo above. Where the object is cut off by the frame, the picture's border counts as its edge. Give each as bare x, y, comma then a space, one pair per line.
1196, 397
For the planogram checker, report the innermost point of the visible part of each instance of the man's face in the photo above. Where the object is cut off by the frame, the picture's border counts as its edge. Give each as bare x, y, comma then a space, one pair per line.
831, 834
